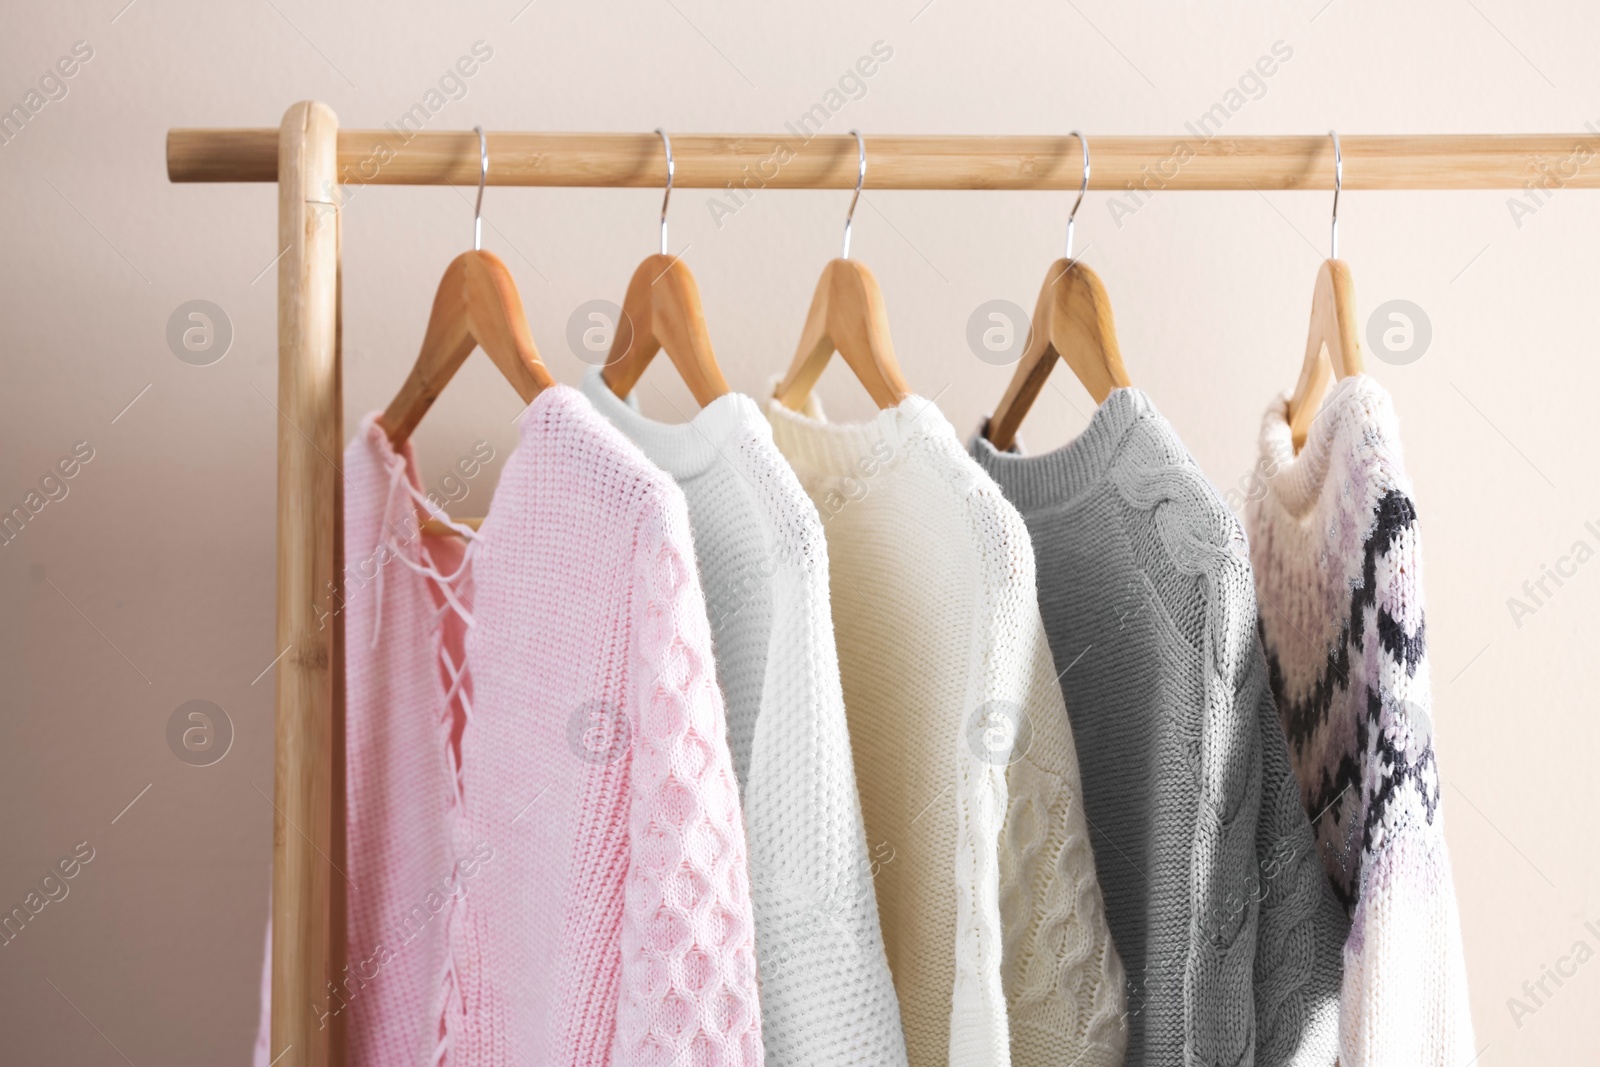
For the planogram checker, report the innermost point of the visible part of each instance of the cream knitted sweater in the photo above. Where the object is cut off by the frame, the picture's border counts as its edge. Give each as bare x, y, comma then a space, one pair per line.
997, 941
826, 996
1338, 564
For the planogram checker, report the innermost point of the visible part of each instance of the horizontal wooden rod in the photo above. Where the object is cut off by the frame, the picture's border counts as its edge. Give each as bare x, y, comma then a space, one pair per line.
790, 160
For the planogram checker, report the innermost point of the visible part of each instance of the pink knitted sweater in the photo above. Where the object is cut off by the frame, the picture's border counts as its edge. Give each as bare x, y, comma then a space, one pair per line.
545, 847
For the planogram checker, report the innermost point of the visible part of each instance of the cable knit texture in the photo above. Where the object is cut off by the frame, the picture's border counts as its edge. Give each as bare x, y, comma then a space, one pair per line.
589, 834
1216, 902
827, 999
1338, 554
946, 682
1065, 988
619, 930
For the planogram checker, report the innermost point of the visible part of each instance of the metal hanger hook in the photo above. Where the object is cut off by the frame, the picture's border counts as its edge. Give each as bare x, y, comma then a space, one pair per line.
861, 178
667, 142
1338, 182
483, 179
1083, 187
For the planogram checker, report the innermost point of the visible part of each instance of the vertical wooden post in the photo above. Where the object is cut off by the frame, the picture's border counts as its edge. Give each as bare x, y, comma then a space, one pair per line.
308, 834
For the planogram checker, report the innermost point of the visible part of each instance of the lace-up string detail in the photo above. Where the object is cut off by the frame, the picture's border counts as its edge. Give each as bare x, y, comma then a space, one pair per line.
450, 1005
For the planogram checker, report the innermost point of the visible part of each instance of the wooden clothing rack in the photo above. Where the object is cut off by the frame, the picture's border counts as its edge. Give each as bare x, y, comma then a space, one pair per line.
312, 160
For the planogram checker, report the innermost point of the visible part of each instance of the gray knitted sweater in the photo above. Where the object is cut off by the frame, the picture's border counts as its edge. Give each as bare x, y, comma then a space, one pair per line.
1217, 903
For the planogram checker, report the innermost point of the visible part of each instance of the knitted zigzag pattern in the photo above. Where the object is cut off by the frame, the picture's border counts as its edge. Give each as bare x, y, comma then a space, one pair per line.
1337, 552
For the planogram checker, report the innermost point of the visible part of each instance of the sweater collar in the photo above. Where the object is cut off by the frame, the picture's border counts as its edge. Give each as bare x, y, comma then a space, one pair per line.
1059, 477
682, 449
818, 447
1356, 414
554, 399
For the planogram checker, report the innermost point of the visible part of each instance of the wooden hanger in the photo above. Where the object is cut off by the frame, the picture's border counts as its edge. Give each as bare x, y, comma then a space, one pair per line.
847, 316
476, 306
1333, 342
662, 310
1071, 320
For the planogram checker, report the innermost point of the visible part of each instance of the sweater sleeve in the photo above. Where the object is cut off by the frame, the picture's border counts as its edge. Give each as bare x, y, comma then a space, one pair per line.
826, 992
1065, 988
1301, 928
1405, 976
688, 983
983, 740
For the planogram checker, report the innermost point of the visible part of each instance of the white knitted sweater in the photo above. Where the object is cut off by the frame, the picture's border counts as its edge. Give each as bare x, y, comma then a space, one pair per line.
1337, 555
826, 996
950, 690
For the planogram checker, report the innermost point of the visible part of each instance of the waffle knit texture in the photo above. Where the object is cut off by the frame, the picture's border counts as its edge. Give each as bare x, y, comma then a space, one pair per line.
1338, 565
827, 999
538, 770
947, 681
1217, 904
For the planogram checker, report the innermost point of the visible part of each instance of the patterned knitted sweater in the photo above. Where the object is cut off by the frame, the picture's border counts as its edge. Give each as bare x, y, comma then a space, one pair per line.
827, 999
1338, 565
997, 940
1216, 901
545, 849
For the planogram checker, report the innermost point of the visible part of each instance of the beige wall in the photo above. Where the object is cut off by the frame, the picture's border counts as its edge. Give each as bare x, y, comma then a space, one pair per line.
150, 583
